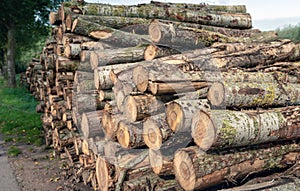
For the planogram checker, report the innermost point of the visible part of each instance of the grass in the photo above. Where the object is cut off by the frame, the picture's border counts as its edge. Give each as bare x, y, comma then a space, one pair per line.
18, 120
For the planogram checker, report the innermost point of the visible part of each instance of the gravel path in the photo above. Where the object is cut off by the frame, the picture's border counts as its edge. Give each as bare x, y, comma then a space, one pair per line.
7, 179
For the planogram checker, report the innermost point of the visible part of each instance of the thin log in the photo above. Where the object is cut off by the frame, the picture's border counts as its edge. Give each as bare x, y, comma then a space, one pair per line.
157, 51
243, 95
107, 34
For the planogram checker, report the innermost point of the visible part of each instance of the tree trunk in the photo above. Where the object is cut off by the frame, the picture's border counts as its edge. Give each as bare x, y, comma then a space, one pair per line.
106, 34
226, 128
179, 113
251, 95
11, 51
158, 51
196, 171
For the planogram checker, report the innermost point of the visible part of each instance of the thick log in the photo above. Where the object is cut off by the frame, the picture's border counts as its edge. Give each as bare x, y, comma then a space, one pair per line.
179, 113
200, 171
130, 135
229, 32
91, 124
117, 56
243, 95
230, 20
203, 7
106, 34
140, 106
171, 36
156, 131
226, 128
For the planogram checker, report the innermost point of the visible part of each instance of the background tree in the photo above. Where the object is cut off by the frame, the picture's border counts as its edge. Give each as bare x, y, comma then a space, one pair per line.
23, 23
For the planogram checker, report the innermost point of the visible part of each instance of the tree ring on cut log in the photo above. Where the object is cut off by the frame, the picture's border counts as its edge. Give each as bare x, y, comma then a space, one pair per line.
174, 116
102, 173
96, 79
152, 134
154, 31
85, 147
203, 130
123, 135
85, 125
140, 78
120, 97
131, 108
216, 94
184, 170
101, 34
150, 52
156, 160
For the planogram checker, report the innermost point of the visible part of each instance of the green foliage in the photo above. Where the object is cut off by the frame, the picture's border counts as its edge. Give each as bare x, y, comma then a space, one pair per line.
30, 18
19, 122
13, 151
290, 32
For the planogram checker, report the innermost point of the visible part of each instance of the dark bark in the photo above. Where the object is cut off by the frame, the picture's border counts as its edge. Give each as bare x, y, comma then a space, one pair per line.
11, 51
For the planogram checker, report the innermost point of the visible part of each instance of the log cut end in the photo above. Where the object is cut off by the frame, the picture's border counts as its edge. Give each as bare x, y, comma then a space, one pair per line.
96, 79
154, 31
130, 109
150, 52
184, 170
94, 60
174, 116
101, 34
53, 18
69, 22
74, 25
156, 160
203, 130
152, 134
123, 134
67, 51
85, 125
102, 174
140, 78
85, 147
216, 94
120, 97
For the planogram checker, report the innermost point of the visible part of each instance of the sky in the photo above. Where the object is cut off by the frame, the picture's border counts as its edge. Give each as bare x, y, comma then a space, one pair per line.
266, 14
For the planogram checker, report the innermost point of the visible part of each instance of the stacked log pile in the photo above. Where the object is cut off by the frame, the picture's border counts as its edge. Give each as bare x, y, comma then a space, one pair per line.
165, 96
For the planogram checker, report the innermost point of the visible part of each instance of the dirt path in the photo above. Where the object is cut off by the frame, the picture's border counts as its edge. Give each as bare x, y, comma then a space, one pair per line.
36, 169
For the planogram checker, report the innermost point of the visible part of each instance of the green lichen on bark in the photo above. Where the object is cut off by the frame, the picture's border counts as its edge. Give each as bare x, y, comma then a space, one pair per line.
227, 132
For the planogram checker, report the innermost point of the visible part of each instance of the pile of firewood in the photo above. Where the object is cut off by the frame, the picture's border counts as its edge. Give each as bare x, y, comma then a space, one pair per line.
165, 96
